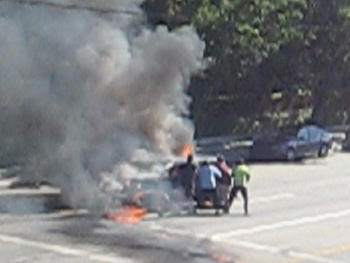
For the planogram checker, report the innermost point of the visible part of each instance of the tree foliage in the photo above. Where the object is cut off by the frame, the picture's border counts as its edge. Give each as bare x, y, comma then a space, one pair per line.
252, 28
274, 62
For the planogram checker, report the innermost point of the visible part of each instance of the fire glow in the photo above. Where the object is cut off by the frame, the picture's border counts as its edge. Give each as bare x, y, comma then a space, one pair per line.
186, 150
127, 215
220, 258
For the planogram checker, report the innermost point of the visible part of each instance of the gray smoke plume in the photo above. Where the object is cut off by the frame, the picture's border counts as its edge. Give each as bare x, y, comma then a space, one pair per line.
85, 87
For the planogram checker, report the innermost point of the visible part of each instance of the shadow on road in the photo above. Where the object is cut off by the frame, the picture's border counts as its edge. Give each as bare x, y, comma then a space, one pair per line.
141, 243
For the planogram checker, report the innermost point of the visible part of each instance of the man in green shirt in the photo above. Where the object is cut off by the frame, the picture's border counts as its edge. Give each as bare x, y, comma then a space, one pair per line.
241, 175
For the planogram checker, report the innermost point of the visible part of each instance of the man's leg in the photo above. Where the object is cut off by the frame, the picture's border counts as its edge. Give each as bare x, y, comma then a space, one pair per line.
244, 192
215, 197
233, 194
224, 198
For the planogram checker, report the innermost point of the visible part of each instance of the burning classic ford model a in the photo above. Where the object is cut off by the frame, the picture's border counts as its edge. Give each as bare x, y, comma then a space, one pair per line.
152, 194
149, 188
140, 197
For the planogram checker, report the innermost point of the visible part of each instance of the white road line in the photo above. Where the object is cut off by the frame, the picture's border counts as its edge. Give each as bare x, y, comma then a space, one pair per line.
272, 198
226, 238
283, 224
281, 251
253, 246
63, 250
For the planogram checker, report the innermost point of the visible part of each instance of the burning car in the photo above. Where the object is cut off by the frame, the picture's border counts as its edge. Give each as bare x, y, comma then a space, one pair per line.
154, 195
139, 197
151, 194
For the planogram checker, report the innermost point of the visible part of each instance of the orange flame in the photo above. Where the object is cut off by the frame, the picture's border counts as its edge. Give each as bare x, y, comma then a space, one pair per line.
186, 150
219, 257
127, 215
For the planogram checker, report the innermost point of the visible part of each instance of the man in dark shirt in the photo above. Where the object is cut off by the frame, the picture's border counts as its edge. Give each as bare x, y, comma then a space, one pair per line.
186, 173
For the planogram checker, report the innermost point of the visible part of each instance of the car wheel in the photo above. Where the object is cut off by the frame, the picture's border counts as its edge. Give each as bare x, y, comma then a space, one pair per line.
323, 151
291, 155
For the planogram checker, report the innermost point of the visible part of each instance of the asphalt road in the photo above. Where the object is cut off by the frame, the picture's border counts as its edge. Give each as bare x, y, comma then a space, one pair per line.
299, 213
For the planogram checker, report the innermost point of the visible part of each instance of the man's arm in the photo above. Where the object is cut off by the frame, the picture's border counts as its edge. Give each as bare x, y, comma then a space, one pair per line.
216, 171
248, 175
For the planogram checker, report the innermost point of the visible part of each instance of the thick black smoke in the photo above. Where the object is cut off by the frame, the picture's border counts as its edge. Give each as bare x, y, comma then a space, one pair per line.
83, 91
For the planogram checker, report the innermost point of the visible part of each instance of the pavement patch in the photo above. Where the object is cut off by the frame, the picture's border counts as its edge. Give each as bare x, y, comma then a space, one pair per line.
296, 255
325, 252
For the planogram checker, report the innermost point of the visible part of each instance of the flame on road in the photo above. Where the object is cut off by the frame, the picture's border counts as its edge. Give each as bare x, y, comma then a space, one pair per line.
127, 215
220, 258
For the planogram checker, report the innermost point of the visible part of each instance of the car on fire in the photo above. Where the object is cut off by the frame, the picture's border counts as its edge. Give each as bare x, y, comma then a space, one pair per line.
155, 195
292, 144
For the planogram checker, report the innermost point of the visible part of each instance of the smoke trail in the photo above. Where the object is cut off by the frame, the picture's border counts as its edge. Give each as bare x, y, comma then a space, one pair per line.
83, 92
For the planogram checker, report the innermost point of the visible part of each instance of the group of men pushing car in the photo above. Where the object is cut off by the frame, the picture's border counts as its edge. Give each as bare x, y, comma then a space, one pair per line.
212, 178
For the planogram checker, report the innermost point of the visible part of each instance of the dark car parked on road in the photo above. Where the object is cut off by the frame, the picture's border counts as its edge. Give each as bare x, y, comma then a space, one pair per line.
293, 144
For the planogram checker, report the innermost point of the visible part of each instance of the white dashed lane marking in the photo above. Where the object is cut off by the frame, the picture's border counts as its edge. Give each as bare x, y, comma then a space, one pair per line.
63, 250
272, 198
283, 224
229, 237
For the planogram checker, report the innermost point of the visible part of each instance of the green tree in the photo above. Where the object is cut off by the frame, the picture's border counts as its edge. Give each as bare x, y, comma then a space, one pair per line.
295, 49
240, 35
319, 67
